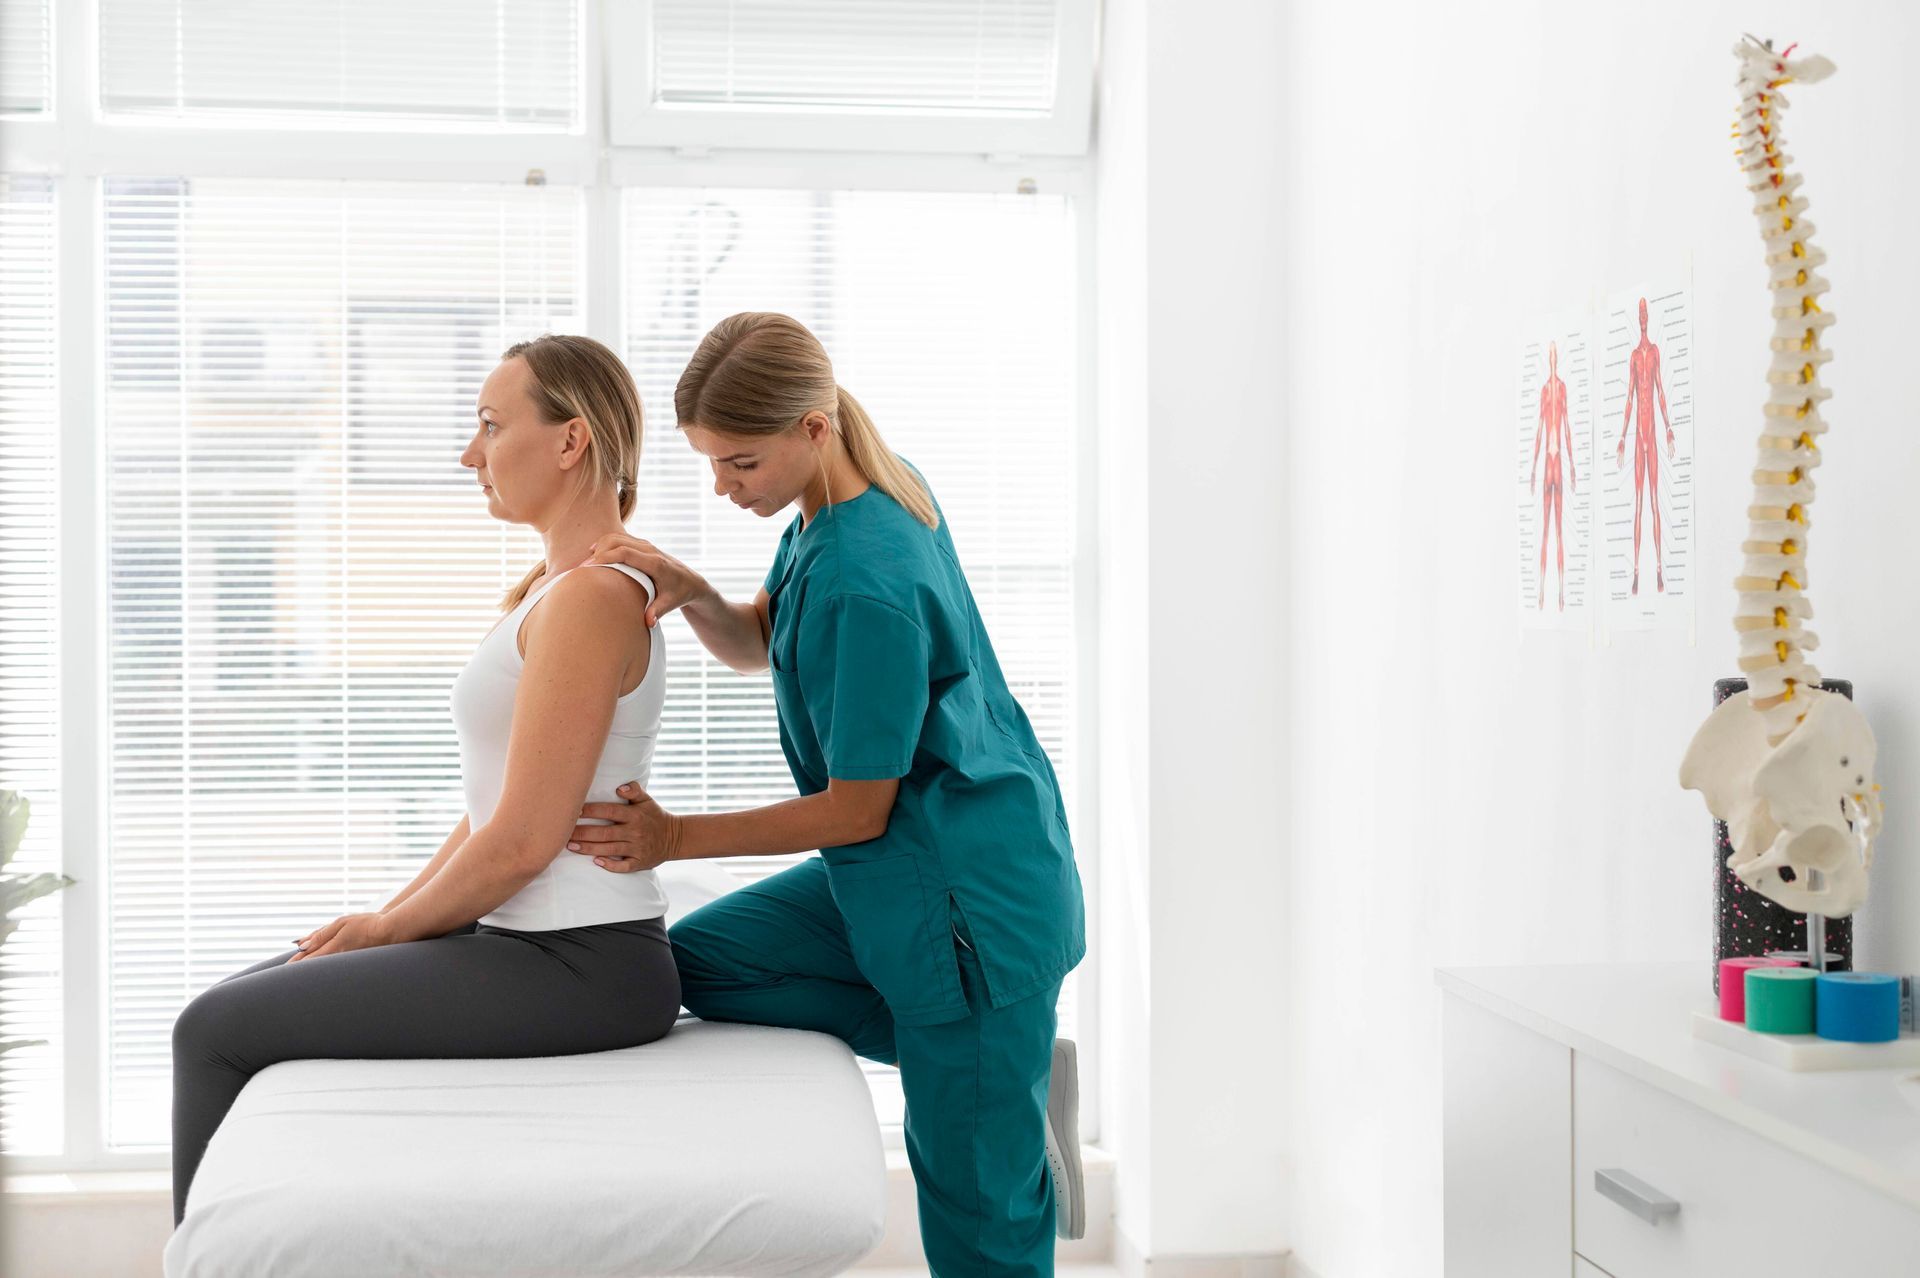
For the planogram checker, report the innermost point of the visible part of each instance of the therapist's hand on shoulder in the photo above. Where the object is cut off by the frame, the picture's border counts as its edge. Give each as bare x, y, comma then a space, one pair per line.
674, 584
642, 836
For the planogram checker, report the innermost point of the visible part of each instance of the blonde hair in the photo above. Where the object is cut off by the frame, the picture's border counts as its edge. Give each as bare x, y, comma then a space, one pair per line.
575, 376
760, 373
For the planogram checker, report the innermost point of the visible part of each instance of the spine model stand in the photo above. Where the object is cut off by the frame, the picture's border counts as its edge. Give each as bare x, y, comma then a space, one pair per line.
1788, 766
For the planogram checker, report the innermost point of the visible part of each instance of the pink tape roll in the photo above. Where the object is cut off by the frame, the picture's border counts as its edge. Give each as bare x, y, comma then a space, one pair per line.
1733, 984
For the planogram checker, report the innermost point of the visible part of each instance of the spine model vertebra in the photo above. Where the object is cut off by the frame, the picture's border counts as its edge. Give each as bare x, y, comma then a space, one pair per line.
1774, 611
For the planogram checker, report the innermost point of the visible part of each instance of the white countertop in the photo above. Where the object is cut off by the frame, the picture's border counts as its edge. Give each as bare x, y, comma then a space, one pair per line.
1638, 1018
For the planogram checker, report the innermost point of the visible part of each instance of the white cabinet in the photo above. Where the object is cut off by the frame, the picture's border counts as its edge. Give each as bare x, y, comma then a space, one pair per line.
1744, 1205
1588, 1132
1508, 1137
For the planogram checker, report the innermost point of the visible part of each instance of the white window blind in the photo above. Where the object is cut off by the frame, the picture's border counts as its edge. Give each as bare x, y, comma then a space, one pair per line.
964, 56
298, 563
501, 63
26, 57
30, 1121
951, 317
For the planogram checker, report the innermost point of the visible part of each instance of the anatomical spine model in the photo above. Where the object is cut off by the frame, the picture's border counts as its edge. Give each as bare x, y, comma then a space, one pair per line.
1788, 766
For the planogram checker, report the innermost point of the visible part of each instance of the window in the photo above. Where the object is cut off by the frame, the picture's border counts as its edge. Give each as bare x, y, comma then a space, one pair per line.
853, 55
250, 392
1010, 76
499, 64
30, 1081
950, 316
299, 565
144, 275
410, 362
26, 58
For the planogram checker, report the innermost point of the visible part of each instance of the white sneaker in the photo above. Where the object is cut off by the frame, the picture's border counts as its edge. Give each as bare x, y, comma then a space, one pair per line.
1063, 1141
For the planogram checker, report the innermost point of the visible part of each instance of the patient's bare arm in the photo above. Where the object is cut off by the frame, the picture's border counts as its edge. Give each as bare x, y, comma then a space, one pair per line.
454, 840
735, 633
578, 640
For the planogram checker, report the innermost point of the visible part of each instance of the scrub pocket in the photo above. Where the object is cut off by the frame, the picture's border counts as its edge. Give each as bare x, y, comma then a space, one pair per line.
973, 975
906, 955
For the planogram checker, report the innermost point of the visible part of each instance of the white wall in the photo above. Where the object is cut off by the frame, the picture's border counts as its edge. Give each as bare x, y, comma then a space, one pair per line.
1124, 517
1123, 935
1462, 794
1193, 819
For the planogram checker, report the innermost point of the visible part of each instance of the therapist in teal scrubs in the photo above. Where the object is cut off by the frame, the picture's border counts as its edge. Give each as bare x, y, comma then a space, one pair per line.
935, 928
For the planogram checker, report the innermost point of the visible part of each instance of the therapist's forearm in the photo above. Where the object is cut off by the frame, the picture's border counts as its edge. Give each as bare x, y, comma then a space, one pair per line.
478, 878
820, 820
730, 631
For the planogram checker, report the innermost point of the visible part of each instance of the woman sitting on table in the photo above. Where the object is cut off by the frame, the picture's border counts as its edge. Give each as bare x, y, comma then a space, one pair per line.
504, 945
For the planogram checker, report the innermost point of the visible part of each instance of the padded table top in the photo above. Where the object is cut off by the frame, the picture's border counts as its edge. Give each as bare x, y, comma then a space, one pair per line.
719, 1149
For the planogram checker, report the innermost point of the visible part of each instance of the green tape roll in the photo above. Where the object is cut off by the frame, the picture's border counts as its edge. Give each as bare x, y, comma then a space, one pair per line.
1780, 999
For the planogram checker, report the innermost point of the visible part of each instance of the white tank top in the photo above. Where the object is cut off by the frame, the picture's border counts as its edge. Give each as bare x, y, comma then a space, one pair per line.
571, 891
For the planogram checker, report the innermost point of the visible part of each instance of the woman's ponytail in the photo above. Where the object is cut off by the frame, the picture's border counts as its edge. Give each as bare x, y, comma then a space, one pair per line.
879, 463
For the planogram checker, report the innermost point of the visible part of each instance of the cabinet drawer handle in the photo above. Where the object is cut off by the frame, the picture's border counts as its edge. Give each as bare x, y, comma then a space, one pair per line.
1636, 1195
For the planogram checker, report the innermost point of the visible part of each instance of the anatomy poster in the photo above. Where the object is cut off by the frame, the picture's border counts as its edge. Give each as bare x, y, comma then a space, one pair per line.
1553, 494
1645, 458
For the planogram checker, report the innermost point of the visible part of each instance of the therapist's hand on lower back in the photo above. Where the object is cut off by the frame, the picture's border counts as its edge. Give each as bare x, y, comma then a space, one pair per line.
642, 836
674, 584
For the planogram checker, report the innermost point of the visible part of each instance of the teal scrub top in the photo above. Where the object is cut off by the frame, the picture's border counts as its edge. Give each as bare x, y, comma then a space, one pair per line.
882, 668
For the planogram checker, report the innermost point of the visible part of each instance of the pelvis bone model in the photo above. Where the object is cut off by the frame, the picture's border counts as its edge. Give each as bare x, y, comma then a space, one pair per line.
1787, 765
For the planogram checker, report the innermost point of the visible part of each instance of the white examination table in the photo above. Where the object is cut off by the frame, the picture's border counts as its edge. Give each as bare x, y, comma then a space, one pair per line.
719, 1149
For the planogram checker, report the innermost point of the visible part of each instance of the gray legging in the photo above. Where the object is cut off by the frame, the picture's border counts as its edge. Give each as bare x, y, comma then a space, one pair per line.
478, 992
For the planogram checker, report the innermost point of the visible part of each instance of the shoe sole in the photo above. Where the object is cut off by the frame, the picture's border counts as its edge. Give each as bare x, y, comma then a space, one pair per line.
1063, 1141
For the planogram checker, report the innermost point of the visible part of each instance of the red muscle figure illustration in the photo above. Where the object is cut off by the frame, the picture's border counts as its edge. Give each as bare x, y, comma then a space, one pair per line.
1643, 384
1557, 432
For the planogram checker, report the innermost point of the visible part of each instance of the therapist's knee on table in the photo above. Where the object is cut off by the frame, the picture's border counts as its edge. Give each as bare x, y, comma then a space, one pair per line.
705, 956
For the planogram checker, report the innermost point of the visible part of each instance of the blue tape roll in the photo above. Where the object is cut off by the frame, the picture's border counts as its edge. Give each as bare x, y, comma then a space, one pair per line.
1857, 1007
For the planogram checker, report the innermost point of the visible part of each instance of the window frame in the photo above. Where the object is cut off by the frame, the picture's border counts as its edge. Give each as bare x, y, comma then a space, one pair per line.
80, 148
298, 121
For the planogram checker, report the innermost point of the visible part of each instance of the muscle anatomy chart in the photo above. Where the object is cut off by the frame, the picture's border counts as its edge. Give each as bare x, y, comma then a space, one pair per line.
1645, 458
1554, 492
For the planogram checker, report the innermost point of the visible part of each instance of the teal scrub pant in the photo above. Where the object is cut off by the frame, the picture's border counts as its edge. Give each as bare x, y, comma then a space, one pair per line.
776, 953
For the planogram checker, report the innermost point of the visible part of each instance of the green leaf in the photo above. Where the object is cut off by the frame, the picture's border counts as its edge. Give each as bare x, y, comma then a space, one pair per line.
14, 811
17, 890
9, 1044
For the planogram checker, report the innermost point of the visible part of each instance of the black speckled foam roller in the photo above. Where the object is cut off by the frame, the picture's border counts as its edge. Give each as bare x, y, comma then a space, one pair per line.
1746, 923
